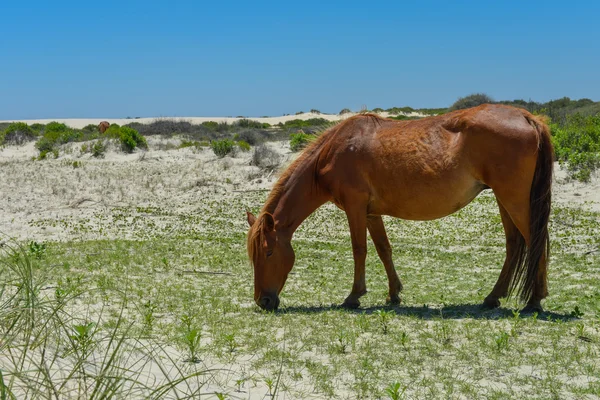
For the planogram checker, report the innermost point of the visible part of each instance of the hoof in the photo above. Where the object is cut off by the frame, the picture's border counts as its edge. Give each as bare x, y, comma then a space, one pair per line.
491, 302
533, 308
351, 304
393, 300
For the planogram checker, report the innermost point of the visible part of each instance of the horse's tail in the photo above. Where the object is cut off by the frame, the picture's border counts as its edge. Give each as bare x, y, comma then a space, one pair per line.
528, 259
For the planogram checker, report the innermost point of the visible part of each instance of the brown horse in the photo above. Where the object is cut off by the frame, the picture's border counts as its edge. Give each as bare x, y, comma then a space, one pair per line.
103, 126
417, 170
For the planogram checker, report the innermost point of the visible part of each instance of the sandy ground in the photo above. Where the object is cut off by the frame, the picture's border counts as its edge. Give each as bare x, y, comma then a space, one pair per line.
79, 123
36, 191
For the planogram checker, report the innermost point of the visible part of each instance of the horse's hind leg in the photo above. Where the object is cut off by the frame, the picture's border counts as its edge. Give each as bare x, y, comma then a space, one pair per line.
513, 236
382, 244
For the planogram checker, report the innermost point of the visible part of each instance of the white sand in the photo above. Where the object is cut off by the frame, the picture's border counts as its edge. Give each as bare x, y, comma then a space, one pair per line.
79, 123
34, 191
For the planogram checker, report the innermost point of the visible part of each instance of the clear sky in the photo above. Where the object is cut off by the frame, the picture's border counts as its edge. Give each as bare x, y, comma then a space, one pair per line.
67, 59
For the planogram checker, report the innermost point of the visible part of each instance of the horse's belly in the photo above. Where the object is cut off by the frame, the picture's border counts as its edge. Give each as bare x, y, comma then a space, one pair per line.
425, 201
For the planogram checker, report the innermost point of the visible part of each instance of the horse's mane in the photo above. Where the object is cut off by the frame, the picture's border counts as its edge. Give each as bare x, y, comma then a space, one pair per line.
309, 155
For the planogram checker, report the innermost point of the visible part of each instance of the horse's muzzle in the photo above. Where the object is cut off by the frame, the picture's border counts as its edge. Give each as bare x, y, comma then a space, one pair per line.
268, 302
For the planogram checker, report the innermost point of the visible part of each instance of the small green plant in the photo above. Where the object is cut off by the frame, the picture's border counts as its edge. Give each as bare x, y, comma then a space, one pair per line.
395, 391
82, 338
345, 111
37, 249
230, 342
270, 385
222, 147
192, 341
299, 141
148, 316
384, 319
403, 339
576, 313
502, 341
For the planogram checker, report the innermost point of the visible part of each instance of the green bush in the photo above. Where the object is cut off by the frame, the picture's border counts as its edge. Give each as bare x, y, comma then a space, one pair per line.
311, 122
212, 125
244, 146
471, 100
17, 133
299, 141
577, 145
222, 147
38, 128
113, 131
345, 111
130, 139
248, 123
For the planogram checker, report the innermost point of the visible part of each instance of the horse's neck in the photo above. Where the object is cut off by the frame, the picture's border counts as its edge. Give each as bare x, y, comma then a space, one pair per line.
297, 198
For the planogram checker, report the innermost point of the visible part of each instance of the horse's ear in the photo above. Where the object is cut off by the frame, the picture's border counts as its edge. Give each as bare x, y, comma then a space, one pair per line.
269, 223
251, 218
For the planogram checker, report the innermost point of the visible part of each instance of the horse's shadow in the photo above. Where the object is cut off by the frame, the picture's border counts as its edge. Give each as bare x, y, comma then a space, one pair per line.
450, 311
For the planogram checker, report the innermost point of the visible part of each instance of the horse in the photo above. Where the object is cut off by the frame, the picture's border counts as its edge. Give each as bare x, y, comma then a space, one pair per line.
424, 169
103, 126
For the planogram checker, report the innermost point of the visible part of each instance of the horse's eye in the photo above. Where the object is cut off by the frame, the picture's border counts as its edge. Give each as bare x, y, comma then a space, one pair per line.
269, 253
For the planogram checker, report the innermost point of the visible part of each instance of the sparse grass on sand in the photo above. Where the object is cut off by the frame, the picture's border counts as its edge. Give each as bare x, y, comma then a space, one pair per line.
148, 294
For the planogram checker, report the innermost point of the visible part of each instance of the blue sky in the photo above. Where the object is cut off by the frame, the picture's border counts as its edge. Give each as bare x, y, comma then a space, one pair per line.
114, 59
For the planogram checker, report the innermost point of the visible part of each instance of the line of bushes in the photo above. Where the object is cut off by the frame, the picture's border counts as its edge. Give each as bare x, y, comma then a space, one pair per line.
51, 136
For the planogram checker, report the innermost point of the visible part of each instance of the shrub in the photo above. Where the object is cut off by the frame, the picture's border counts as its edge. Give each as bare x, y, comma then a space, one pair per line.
377, 110
212, 125
265, 157
315, 111
38, 128
398, 110
98, 149
17, 133
577, 145
311, 122
248, 123
222, 147
471, 100
90, 128
244, 146
345, 111
299, 141
44, 145
113, 131
252, 136
130, 139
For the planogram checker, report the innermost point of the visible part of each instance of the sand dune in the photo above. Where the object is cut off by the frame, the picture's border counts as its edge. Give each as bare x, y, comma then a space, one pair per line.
79, 123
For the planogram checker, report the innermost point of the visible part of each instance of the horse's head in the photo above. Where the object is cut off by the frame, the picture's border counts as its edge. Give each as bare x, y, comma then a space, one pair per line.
272, 256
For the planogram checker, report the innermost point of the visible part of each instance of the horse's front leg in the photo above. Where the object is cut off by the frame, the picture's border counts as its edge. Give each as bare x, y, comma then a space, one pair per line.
357, 219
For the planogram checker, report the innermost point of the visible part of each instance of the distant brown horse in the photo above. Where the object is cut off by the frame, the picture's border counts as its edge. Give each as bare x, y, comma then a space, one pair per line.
417, 170
103, 126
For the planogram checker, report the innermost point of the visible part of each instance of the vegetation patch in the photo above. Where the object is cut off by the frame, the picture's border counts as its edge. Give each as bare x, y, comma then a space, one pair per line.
299, 140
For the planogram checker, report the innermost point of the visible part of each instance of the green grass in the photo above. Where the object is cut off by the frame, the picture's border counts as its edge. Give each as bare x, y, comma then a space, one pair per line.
181, 285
